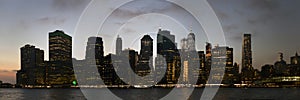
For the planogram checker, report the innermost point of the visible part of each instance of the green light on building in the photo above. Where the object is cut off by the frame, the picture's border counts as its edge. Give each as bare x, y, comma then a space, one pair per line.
74, 83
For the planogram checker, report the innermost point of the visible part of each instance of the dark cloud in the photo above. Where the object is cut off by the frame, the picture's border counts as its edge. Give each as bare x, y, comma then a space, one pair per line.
63, 5
229, 28
270, 5
144, 6
51, 20
3, 71
222, 15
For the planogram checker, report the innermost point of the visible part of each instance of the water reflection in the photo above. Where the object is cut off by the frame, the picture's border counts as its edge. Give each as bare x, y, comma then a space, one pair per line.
153, 94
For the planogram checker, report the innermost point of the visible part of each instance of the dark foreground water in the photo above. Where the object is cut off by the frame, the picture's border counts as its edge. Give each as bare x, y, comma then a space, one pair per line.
149, 94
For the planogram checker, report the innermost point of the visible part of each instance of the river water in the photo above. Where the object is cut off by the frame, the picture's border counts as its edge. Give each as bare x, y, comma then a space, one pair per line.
150, 94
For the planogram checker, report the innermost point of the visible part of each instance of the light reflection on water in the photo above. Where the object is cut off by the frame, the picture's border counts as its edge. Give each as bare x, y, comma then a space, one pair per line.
153, 94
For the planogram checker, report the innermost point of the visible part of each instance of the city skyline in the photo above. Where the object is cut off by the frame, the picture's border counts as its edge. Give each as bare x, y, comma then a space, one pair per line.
197, 68
58, 72
264, 51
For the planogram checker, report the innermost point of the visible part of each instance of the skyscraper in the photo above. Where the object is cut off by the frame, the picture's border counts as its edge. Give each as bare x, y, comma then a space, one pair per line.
146, 48
247, 69
146, 53
189, 59
191, 42
60, 46
208, 55
184, 46
94, 51
188, 44
202, 70
219, 60
165, 41
166, 47
32, 68
118, 45
230, 72
59, 69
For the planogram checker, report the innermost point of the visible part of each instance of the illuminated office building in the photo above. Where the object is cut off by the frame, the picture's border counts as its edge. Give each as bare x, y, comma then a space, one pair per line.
247, 69
166, 47
59, 68
32, 67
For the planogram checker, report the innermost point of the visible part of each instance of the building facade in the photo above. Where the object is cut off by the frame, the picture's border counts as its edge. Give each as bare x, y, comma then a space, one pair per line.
247, 69
59, 68
32, 71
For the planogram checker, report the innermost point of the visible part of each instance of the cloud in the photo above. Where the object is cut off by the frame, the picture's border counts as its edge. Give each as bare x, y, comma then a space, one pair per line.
62, 5
222, 15
128, 30
265, 4
144, 6
4, 71
51, 20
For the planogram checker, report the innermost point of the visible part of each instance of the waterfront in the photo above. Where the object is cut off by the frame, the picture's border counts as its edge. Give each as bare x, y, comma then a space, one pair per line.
153, 94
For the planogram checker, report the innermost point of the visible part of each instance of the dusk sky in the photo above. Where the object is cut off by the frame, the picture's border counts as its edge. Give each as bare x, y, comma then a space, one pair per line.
274, 26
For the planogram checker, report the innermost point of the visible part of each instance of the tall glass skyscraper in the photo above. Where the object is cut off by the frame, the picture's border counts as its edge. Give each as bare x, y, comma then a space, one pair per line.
247, 69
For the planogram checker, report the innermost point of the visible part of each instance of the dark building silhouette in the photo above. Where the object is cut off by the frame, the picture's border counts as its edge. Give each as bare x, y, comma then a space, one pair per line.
166, 47
60, 46
230, 76
146, 48
202, 71
280, 67
59, 68
247, 69
146, 53
237, 79
295, 65
118, 45
32, 67
295, 60
267, 71
208, 51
